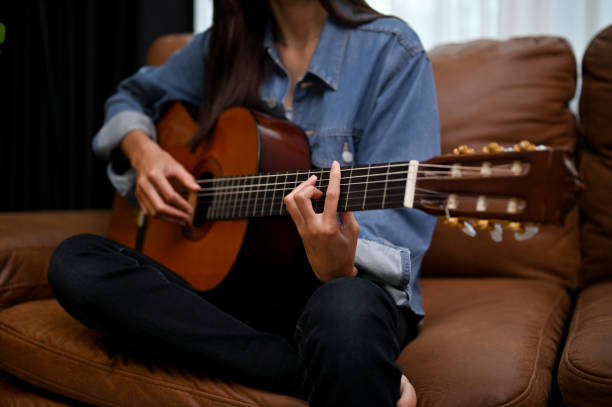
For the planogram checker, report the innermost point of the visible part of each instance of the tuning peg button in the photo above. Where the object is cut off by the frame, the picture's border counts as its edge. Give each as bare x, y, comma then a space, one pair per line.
463, 149
497, 233
492, 148
530, 231
524, 146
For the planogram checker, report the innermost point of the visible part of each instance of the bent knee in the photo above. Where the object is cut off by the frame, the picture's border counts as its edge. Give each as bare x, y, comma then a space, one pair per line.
67, 259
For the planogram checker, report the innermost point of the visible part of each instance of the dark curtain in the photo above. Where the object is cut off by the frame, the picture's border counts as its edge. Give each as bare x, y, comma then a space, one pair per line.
59, 62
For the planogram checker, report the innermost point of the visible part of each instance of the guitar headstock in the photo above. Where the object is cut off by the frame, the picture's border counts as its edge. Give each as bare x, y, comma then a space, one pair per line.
515, 187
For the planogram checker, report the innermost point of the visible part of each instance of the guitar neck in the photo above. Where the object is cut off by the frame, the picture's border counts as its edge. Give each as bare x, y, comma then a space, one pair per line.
363, 187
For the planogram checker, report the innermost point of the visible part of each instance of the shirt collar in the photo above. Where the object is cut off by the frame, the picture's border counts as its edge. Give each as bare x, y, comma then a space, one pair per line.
327, 59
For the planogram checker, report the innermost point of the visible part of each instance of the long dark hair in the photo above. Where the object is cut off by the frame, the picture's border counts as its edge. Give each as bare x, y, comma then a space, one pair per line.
233, 71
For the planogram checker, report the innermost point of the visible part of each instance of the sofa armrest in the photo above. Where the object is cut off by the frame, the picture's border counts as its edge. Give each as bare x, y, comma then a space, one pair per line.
27, 241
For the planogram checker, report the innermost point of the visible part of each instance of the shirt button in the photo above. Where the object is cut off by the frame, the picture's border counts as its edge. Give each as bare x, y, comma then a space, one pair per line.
347, 156
305, 85
271, 103
309, 132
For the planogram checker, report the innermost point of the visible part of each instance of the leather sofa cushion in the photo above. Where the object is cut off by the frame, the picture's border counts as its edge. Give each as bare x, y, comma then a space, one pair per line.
585, 371
505, 92
596, 158
15, 393
43, 345
27, 241
484, 342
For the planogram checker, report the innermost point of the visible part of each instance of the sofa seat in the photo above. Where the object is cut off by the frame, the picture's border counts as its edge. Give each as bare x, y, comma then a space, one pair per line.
585, 372
17, 393
497, 337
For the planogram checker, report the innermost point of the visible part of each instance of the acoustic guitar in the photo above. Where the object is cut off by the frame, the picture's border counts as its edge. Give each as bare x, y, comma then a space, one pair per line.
252, 160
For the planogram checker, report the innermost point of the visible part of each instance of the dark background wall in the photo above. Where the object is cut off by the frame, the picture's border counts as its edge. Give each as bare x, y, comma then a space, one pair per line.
60, 61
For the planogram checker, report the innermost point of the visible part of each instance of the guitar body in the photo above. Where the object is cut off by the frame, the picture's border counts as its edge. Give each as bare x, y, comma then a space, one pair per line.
243, 142
251, 161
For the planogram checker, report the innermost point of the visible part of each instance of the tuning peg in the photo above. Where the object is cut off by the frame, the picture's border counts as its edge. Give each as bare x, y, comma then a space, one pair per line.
468, 229
463, 150
465, 227
497, 233
524, 146
492, 148
529, 232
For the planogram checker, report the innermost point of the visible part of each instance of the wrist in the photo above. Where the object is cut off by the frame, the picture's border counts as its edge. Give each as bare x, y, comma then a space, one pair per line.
135, 145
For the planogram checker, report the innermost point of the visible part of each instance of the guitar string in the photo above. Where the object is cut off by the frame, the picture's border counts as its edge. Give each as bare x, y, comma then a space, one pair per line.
269, 186
265, 188
233, 179
326, 170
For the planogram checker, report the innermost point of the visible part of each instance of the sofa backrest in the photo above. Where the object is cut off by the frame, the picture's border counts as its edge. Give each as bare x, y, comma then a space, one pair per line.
596, 158
505, 92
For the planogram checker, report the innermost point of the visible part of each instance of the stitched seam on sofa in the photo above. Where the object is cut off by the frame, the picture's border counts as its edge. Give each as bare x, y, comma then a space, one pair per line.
525, 393
21, 287
572, 368
70, 392
135, 376
12, 250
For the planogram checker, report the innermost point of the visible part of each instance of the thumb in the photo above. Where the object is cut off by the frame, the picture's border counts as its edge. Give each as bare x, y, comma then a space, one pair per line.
186, 178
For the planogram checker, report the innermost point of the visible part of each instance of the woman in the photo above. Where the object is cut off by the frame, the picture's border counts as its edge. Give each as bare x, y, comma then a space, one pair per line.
361, 86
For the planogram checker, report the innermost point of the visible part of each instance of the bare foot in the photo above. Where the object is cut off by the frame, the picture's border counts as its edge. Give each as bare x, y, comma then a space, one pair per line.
408, 396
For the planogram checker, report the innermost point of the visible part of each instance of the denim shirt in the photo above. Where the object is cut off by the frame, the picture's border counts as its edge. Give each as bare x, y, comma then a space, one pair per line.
367, 97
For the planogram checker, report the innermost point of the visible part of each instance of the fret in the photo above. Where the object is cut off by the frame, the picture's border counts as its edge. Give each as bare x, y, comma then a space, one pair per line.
377, 187
257, 188
396, 186
348, 189
213, 201
236, 196
244, 200
365, 190
226, 198
382, 206
319, 204
218, 198
354, 196
282, 201
264, 186
275, 187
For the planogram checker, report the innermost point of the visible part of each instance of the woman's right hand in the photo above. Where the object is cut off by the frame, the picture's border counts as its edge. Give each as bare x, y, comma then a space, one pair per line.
155, 169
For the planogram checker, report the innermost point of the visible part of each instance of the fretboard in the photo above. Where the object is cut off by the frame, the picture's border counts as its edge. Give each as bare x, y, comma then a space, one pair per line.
363, 187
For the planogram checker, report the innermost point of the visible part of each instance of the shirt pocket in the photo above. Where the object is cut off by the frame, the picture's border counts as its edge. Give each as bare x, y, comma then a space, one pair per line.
334, 144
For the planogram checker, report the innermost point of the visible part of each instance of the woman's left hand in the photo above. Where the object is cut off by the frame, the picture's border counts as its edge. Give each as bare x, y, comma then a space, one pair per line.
330, 246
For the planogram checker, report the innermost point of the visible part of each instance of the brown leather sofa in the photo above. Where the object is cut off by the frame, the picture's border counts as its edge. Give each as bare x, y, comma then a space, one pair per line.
585, 371
497, 313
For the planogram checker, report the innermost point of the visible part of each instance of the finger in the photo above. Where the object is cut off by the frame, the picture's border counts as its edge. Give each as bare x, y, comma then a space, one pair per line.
311, 181
293, 211
349, 221
143, 201
332, 194
304, 205
170, 195
159, 207
184, 177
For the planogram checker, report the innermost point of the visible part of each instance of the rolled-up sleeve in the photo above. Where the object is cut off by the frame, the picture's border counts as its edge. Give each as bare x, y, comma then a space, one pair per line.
141, 99
403, 125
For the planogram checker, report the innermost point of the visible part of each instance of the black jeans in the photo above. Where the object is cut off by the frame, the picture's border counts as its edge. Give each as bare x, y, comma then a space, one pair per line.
334, 344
